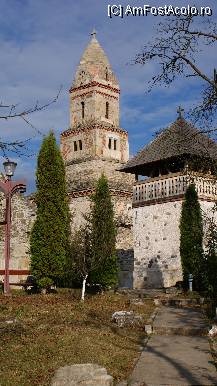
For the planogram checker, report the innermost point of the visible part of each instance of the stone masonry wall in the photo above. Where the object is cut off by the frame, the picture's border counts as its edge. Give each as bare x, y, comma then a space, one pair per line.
156, 244
88, 145
94, 98
23, 216
83, 175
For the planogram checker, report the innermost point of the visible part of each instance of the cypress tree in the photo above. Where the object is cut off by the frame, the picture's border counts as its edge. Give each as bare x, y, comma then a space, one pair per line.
49, 242
103, 236
211, 256
191, 239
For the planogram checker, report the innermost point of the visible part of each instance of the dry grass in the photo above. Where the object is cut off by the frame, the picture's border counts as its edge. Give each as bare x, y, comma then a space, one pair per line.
57, 330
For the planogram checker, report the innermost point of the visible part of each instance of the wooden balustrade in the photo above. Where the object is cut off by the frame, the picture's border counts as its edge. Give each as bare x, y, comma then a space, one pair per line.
174, 185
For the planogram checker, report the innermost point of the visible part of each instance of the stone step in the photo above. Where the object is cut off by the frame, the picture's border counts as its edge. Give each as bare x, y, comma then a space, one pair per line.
185, 331
141, 293
184, 321
176, 302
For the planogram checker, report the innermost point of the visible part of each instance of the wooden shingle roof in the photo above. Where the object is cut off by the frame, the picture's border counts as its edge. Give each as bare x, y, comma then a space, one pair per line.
180, 139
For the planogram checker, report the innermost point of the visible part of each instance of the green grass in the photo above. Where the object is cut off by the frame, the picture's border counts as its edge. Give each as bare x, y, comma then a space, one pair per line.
57, 330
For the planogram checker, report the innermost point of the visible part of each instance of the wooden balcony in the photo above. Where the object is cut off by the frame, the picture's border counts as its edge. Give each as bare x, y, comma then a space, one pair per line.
172, 187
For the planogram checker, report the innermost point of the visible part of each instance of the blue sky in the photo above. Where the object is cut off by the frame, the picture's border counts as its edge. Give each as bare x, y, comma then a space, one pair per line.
41, 44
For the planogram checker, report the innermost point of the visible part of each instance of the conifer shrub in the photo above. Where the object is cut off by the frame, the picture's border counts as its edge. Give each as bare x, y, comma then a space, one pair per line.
103, 236
49, 240
211, 256
191, 239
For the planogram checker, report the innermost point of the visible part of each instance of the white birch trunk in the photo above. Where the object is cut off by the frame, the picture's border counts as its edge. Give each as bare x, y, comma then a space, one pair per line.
83, 287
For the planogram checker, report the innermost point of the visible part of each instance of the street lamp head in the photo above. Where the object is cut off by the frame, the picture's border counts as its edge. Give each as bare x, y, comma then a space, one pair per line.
22, 189
9, 167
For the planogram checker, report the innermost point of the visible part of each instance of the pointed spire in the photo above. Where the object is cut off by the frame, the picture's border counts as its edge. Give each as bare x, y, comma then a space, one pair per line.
180, 112
93, 34
94, 64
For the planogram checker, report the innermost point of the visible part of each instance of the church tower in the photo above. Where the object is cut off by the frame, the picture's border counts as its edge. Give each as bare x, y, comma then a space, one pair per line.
95, 144
94, 139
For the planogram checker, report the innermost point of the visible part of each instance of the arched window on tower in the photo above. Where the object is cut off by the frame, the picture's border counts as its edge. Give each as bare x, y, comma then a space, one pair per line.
82, 110
107, 110
115, 144
75, 146
106, 74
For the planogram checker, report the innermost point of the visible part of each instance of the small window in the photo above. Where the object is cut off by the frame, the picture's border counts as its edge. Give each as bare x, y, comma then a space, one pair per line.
115, 144
110, 143
106, 74
107, 110
80, 144
75, 146
82, 110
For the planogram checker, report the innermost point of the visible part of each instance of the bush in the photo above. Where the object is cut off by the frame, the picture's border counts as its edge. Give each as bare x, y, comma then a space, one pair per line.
211, 256
191, 239
106, 275
103, 236
45, 283
49, 241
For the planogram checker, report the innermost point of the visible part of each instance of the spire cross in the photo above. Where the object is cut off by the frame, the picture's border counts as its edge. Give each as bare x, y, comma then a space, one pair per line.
93, 33
180, 111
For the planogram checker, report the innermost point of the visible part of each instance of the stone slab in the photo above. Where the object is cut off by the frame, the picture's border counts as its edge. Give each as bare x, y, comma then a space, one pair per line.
175, 361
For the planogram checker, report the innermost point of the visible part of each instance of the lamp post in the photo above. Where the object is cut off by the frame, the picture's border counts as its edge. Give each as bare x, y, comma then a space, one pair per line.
9, 187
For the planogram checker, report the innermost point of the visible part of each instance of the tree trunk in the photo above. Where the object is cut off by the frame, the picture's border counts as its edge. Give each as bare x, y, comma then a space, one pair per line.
83, 287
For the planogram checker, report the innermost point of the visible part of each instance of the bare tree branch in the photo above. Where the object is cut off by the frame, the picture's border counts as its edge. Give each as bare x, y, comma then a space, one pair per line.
12, 113
18, 147
175, 49
198, 72
203, 34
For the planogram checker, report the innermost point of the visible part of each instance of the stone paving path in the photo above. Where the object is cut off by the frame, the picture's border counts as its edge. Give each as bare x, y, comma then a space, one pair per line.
181, 321
176, 354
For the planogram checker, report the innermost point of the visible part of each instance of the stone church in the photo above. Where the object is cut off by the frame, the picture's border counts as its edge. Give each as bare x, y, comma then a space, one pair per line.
93, 144
147, 209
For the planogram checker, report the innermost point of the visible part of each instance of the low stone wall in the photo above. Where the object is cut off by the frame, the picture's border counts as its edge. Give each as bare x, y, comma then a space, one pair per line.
23, 217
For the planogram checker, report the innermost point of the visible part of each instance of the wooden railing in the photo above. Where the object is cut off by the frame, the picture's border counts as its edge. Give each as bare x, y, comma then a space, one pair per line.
173, 185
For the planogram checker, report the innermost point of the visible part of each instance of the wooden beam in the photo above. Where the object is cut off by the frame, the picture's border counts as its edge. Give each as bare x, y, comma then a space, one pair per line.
16, 272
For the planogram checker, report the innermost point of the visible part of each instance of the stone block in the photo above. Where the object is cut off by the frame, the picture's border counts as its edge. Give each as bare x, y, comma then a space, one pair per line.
82, 374
127, 318
148, 329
